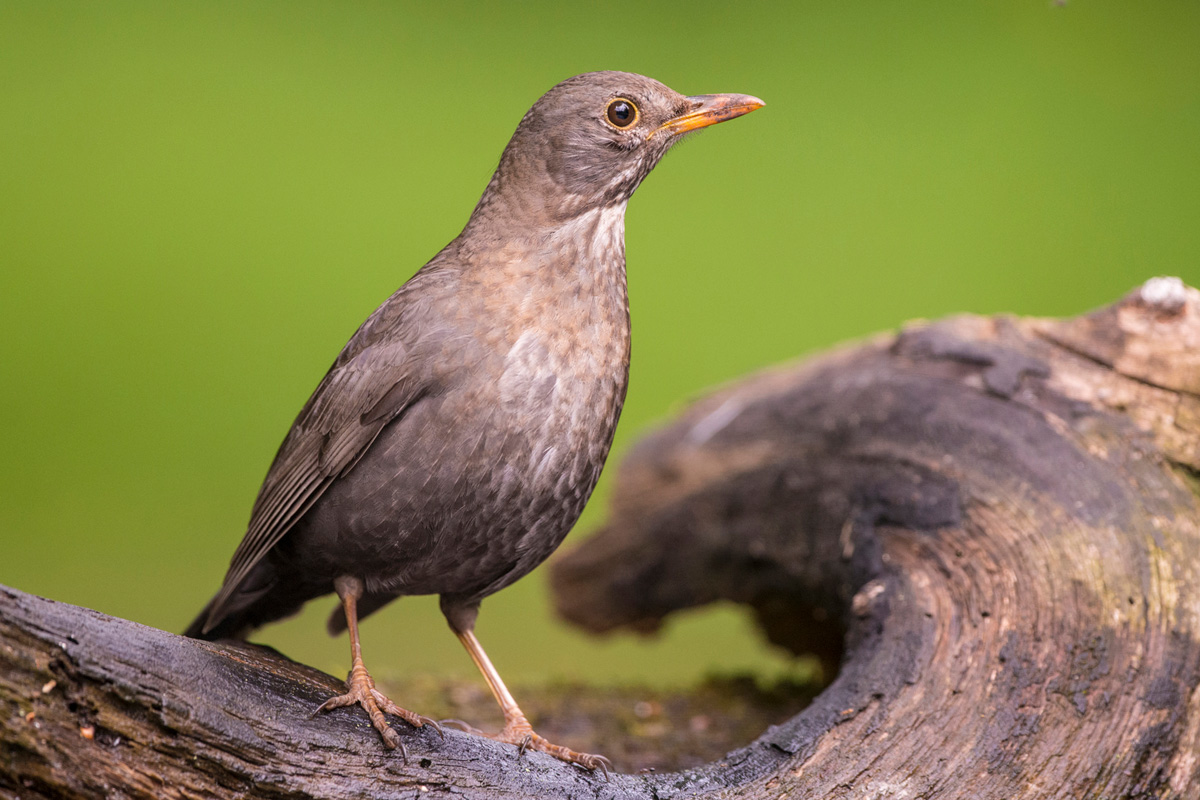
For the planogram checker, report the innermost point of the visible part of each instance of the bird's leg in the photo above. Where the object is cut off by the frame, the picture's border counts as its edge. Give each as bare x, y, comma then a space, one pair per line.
361, 685
517, 729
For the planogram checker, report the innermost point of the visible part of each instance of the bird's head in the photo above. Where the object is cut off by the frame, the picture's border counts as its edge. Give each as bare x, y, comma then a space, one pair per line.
589, 141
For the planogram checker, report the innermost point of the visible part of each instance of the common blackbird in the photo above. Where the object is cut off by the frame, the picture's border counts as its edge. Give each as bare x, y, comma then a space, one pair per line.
459, 433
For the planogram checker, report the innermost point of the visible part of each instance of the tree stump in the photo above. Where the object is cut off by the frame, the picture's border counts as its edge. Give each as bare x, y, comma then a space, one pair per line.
991, 524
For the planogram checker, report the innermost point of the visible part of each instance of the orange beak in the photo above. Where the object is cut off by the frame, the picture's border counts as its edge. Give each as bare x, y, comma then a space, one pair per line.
709, 109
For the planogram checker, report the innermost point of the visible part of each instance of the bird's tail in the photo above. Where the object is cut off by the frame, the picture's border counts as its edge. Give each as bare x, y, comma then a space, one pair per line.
256, 601
196, 629
229, 626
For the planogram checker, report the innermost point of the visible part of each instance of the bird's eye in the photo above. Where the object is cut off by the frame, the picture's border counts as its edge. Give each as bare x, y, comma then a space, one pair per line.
622, 113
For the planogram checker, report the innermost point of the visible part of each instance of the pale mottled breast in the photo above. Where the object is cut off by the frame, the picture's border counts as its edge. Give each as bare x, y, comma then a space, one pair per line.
570, 323
568, 369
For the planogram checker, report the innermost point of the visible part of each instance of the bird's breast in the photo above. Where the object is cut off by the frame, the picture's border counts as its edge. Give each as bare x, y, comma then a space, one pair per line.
564, 388
563, 378
565, 366
561, 314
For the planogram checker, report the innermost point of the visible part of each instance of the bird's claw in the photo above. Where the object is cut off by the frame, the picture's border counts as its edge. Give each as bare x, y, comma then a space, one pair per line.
416, 720
595, 762
362, 692
520, 733
433, 723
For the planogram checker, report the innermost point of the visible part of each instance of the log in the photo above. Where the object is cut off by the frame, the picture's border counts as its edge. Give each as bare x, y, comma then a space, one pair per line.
990, 527
997, 518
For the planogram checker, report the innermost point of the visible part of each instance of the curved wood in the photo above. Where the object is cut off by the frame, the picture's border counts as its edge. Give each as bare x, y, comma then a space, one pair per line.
1000, 514
992, 523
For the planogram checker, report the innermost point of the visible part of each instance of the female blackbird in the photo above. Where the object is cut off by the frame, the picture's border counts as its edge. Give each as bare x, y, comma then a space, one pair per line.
458, 435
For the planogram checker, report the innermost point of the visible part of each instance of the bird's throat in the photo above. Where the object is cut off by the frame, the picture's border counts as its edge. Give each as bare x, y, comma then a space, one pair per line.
592, 242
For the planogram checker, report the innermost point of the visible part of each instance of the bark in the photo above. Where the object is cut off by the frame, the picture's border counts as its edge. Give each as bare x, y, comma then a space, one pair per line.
992, 525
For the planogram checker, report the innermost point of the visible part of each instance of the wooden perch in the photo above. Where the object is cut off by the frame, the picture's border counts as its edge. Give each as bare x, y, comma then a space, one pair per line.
1002, 517
993, 524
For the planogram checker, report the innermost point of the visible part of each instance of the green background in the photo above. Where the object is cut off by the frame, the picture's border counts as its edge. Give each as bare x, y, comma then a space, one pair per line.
200, 202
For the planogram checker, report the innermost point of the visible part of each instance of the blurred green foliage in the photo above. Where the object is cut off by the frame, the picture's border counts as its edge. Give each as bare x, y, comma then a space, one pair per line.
200, 202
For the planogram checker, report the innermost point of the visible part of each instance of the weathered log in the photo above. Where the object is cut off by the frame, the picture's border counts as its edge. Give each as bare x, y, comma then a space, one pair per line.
996, 520
1002, 517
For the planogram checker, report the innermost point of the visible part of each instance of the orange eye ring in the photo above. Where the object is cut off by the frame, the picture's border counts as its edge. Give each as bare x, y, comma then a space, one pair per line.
622, 113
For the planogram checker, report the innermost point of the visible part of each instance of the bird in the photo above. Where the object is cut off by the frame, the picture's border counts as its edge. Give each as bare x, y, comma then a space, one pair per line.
459, 433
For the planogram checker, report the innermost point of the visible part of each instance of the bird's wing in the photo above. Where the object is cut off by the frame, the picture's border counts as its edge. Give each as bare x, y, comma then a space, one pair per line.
374, 380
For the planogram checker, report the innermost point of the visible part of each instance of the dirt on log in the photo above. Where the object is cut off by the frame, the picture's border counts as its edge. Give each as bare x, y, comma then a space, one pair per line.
991, 525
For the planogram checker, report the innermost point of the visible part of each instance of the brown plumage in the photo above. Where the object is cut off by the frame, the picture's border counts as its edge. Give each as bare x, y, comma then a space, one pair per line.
458, 435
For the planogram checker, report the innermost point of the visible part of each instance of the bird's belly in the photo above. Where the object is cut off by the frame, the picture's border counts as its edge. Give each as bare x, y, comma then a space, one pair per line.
471, 489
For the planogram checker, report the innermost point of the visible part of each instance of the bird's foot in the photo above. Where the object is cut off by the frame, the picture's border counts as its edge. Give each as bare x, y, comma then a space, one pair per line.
518, 731
534, 741
362, 692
